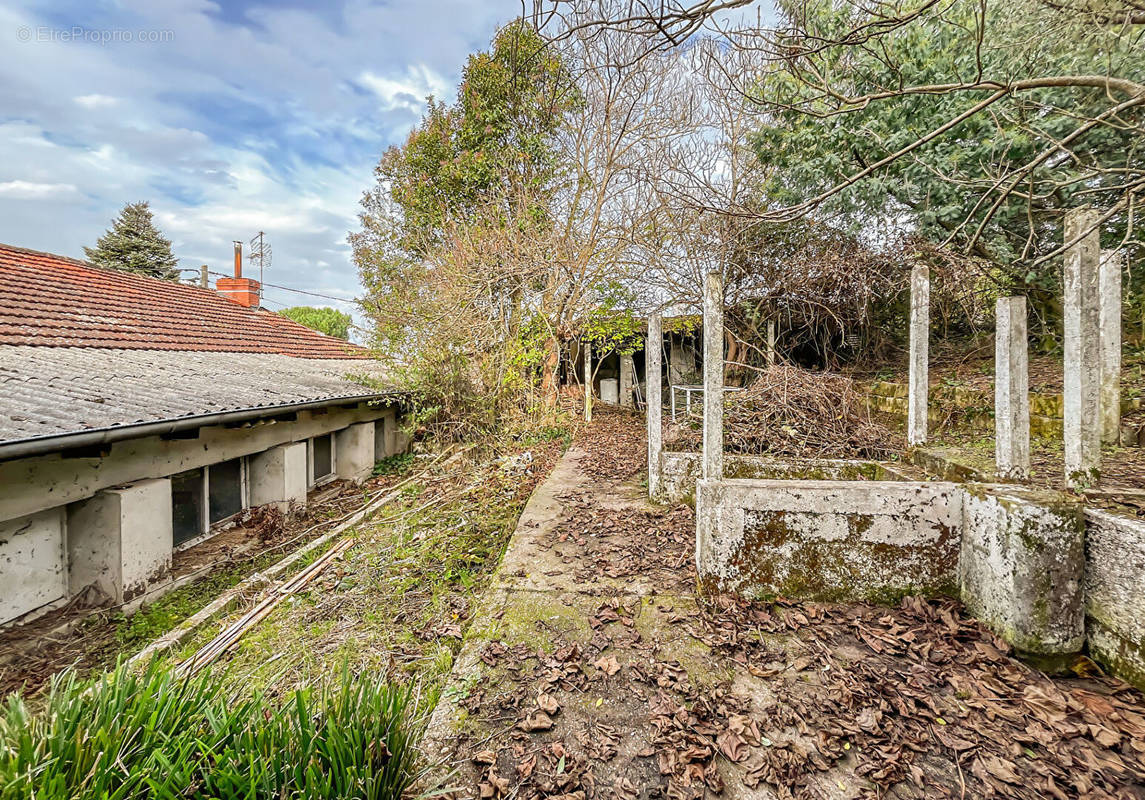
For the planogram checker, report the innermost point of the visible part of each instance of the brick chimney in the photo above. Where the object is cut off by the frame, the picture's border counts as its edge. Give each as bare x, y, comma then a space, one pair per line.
238, 289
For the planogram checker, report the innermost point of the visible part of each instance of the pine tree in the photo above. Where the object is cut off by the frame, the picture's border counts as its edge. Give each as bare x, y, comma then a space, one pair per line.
134, 244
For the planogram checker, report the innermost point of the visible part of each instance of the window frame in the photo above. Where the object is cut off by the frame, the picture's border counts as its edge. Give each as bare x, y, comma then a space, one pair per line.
207, 529
311, 481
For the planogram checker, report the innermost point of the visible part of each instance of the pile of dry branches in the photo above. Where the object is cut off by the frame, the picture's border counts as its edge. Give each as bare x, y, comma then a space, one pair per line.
791, 411
788, 411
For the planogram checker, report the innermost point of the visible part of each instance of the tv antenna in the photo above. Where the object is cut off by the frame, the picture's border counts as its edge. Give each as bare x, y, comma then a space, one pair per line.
261, 252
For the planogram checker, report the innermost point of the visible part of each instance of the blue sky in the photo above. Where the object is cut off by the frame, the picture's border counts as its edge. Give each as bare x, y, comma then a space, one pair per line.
229, 117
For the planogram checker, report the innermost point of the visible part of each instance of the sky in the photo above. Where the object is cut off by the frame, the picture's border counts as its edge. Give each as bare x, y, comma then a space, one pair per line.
230, 118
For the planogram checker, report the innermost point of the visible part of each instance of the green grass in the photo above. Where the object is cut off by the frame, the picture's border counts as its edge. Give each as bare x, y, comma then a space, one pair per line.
551, 433
151, 734
132, 633
398, 600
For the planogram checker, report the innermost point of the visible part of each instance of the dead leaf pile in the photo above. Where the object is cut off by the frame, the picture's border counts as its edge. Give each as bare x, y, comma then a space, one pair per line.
652, 543
614, 444
920, 694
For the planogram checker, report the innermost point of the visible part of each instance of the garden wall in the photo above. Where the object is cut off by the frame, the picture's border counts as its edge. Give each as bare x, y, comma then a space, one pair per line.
680, 471
1046, 575
975, 410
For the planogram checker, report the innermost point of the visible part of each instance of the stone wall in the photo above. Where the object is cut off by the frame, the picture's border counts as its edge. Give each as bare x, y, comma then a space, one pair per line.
1115, 593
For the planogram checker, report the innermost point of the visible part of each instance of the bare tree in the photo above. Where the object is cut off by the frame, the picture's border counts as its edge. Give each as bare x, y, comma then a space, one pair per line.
844, 65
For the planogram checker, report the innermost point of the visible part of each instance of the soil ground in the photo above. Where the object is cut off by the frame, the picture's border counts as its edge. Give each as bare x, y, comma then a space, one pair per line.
592, 669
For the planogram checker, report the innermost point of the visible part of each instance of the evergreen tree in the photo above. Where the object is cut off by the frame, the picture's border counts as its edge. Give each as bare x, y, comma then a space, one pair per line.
134, 244
329, 321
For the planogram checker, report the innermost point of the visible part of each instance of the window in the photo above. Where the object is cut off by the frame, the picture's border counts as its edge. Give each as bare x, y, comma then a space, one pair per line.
321, 457
381, 437
187, 508
225, 489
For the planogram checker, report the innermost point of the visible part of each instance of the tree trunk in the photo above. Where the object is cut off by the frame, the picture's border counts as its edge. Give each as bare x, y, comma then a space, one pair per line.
550, 372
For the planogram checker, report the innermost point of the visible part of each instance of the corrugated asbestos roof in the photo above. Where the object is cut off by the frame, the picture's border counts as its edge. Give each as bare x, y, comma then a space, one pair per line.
53, 301
52, 391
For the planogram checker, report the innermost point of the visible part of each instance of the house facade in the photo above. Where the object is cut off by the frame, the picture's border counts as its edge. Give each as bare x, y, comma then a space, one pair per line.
138, 416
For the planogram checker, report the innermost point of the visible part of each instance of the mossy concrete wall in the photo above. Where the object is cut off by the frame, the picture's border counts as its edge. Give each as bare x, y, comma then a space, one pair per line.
828, 540
1115, 593
1015, 556
976, 409
680, 471
1021, 567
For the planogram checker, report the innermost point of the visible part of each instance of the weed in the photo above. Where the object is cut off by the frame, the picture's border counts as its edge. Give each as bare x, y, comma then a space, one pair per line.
551, 433
398, 464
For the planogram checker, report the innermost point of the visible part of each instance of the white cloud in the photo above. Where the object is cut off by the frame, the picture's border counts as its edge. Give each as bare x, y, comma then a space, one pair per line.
408, 92
257, 116
30, 190
96, 100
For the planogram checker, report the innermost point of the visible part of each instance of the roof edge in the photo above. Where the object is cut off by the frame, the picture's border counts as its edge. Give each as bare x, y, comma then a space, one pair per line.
42, 445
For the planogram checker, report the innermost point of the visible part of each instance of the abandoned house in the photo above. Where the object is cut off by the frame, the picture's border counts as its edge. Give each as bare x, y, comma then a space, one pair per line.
138, 416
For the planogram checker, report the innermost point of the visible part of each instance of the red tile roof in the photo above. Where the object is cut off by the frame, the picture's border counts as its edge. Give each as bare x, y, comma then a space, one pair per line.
54, 301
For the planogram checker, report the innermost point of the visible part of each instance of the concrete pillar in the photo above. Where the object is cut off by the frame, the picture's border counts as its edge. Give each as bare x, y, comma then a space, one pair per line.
771, 343
354, 451
919, 354
33, 566
1011, 390
278, 476
121, 539
587, 381
402, 436
654, 403
627, 378
713, 464
1109, 322
1082, 425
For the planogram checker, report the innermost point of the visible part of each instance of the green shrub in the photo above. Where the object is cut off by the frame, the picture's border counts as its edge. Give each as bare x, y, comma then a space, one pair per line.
398, 464
153, 735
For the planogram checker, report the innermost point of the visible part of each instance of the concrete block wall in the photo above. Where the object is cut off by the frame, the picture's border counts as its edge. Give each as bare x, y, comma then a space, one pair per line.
828, 540
390, 436
33, 563
278, 476
67, 524
1015, 556
120, 541
1115, 593
354, 451
1021, 567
